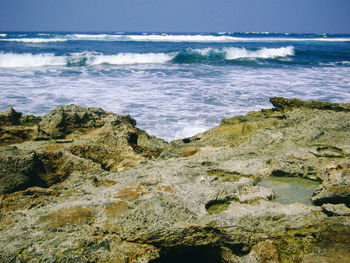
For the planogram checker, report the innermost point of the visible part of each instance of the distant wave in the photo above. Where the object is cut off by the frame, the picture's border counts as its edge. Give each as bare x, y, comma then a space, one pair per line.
222, 37
34, 40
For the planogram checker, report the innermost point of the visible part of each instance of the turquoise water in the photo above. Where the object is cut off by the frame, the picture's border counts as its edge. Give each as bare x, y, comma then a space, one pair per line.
174, 85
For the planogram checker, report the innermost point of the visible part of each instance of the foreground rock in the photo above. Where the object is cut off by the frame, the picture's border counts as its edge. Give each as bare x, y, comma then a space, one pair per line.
85, 185
67, 139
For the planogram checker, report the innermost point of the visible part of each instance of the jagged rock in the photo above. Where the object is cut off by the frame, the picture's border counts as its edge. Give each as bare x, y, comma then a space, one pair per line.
15, 128
19, 169
334, 194
10, 117
65, 119
336, 210
82, 139
116, 194
283, 104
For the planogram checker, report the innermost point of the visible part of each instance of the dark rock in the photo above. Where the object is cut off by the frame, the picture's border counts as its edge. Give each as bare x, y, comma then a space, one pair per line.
10, 117
333, 194
336, 210
19, 169
283, 104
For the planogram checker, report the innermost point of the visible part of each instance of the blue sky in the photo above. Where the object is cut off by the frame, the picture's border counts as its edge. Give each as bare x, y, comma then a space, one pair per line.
309, 16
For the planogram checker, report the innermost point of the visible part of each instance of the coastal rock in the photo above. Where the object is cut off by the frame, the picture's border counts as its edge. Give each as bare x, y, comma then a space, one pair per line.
283, 104
66, 119
334, 194
10, 117
73, 138
336, 210
115, 194
19, 169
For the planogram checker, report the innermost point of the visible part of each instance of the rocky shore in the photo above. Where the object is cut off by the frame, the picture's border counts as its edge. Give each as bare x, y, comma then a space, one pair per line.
84, 185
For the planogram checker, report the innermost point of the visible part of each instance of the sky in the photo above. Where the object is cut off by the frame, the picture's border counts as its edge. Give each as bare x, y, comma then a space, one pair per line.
293, 16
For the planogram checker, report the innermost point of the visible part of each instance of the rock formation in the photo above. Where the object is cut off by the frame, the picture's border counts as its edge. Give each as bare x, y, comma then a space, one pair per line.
85, 185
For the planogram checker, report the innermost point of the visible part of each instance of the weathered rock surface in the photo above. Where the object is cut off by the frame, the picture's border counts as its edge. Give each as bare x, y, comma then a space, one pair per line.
88, 186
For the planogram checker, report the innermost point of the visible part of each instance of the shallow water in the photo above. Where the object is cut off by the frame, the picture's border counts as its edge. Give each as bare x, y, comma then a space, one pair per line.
289, 190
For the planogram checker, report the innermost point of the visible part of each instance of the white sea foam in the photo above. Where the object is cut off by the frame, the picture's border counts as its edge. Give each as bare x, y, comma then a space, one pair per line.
190, 129
181, 38
170, 100
34, 40
131, 58
236, 53
3, 35
10, 60
90, 36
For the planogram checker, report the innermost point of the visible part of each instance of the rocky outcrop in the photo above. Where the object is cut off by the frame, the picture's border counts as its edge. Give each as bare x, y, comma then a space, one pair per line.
67, 139
91, 187
19, 169
282, 104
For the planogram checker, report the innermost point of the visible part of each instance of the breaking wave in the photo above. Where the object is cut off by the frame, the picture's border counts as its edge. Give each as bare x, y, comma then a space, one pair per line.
9, 60
12, 60
231, 54
131, 58
34, 40
237, 53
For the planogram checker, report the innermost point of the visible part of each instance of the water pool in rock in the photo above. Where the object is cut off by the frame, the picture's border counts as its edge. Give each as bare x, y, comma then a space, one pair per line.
289, 190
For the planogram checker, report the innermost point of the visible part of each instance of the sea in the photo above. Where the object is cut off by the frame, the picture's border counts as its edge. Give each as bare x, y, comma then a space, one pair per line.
174, 84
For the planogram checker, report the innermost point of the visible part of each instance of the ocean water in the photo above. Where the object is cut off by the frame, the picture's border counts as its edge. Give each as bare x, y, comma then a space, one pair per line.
174, 84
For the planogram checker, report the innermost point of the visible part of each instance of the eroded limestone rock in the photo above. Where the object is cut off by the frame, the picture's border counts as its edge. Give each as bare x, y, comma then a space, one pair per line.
115, 194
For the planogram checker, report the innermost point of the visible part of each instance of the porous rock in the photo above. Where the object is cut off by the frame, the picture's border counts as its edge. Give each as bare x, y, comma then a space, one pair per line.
125, 196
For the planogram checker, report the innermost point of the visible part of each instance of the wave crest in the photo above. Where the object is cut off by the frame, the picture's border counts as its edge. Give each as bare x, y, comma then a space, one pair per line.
10, 60
34, 40
205, 55
265, 53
